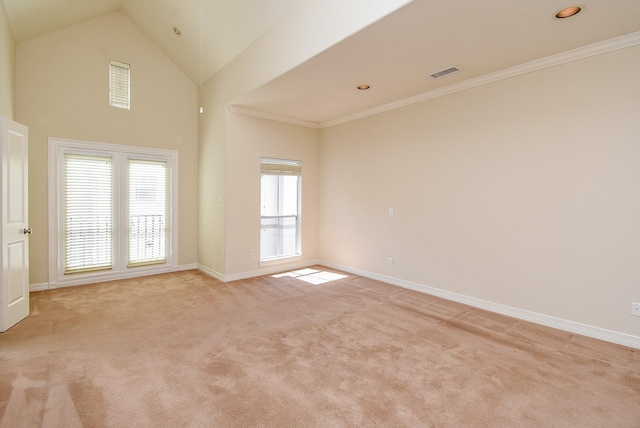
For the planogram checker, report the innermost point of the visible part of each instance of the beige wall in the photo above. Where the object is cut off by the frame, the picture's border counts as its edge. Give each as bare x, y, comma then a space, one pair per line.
212, 182
7, 65
249, 139
522, 192
62, 91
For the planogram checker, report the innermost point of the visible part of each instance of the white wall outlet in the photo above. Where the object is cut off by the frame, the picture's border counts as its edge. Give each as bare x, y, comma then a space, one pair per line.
252, 257
390, 212
635, 309
390, 261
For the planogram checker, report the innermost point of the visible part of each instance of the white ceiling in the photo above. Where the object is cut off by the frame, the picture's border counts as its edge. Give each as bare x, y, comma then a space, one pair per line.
394, 55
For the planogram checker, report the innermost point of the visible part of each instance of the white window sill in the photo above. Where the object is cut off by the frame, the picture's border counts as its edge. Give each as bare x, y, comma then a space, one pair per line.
280, 260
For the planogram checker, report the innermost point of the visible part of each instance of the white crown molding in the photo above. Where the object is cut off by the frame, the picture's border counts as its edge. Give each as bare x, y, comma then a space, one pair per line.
270, 116
522, 314
518, 70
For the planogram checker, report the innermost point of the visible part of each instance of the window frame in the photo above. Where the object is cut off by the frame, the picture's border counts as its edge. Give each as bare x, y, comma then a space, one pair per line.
294, 168
116, 95
120, 155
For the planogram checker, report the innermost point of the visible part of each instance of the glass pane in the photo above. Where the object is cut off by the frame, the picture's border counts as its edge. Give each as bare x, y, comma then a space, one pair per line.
289, 194
269, 205
279, 195
278, 237
147, 211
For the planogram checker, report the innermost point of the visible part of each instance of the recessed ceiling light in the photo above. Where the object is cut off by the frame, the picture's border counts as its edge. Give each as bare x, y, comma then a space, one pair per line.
568, 11
363, 87
177, 31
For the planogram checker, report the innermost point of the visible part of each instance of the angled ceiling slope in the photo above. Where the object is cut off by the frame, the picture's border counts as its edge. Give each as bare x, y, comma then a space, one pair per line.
228, 26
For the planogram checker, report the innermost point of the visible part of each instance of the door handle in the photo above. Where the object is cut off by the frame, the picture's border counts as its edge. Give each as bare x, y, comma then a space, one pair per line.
27, 231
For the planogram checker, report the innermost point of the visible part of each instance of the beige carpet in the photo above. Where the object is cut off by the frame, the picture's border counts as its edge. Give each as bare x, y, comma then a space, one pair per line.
185, 350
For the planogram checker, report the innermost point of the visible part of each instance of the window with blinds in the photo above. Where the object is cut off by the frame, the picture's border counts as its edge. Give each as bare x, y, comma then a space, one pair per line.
147, 212
280, 208
119, 84
114, 211
88, 213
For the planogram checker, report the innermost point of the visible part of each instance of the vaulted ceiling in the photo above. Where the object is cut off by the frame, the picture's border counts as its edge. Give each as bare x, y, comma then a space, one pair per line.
228, 26
394, 55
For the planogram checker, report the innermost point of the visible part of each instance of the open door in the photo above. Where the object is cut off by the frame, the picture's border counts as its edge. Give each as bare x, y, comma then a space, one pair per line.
15, 228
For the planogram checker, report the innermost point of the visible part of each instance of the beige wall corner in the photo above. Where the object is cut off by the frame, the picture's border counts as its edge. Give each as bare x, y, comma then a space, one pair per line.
249, 139
7, 66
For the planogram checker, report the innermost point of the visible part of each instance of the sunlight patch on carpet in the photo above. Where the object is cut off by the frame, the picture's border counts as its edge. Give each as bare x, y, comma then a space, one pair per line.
312, 276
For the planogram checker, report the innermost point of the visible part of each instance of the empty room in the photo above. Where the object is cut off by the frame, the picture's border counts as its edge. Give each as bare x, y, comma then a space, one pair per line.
320, 213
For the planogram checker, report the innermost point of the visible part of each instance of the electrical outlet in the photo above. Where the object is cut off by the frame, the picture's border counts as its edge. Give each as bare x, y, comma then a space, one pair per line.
390, 261
635, 309
390, 212
252, 257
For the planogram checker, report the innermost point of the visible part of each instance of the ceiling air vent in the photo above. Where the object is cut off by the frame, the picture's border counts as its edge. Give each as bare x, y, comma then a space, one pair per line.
444, 72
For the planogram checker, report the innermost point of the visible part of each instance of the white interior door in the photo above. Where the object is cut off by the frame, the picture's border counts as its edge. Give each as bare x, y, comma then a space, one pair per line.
15, 228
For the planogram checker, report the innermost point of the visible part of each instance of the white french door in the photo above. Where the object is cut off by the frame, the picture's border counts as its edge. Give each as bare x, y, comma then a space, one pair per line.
113, 211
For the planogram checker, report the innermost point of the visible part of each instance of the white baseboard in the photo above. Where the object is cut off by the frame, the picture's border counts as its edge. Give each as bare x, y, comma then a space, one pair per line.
47, 286
189, 266
217, 275
273, 268
542, 319
38, 287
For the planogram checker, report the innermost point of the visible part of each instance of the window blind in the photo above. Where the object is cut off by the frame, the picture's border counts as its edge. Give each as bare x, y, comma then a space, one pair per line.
147, 212
280, 167
119, 84
88, 213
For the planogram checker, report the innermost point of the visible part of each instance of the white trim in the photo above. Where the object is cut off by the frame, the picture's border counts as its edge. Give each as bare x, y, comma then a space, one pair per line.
599, 48
522, 314
281, 267
110, 276
189, 266
518, 70
46, 286
217, 275
38, 287
271, 116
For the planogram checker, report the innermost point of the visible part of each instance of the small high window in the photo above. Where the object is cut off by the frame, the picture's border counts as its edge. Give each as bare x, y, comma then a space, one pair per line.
119, 84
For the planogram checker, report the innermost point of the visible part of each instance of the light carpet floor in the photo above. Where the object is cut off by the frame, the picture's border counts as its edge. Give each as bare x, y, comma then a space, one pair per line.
185, 350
